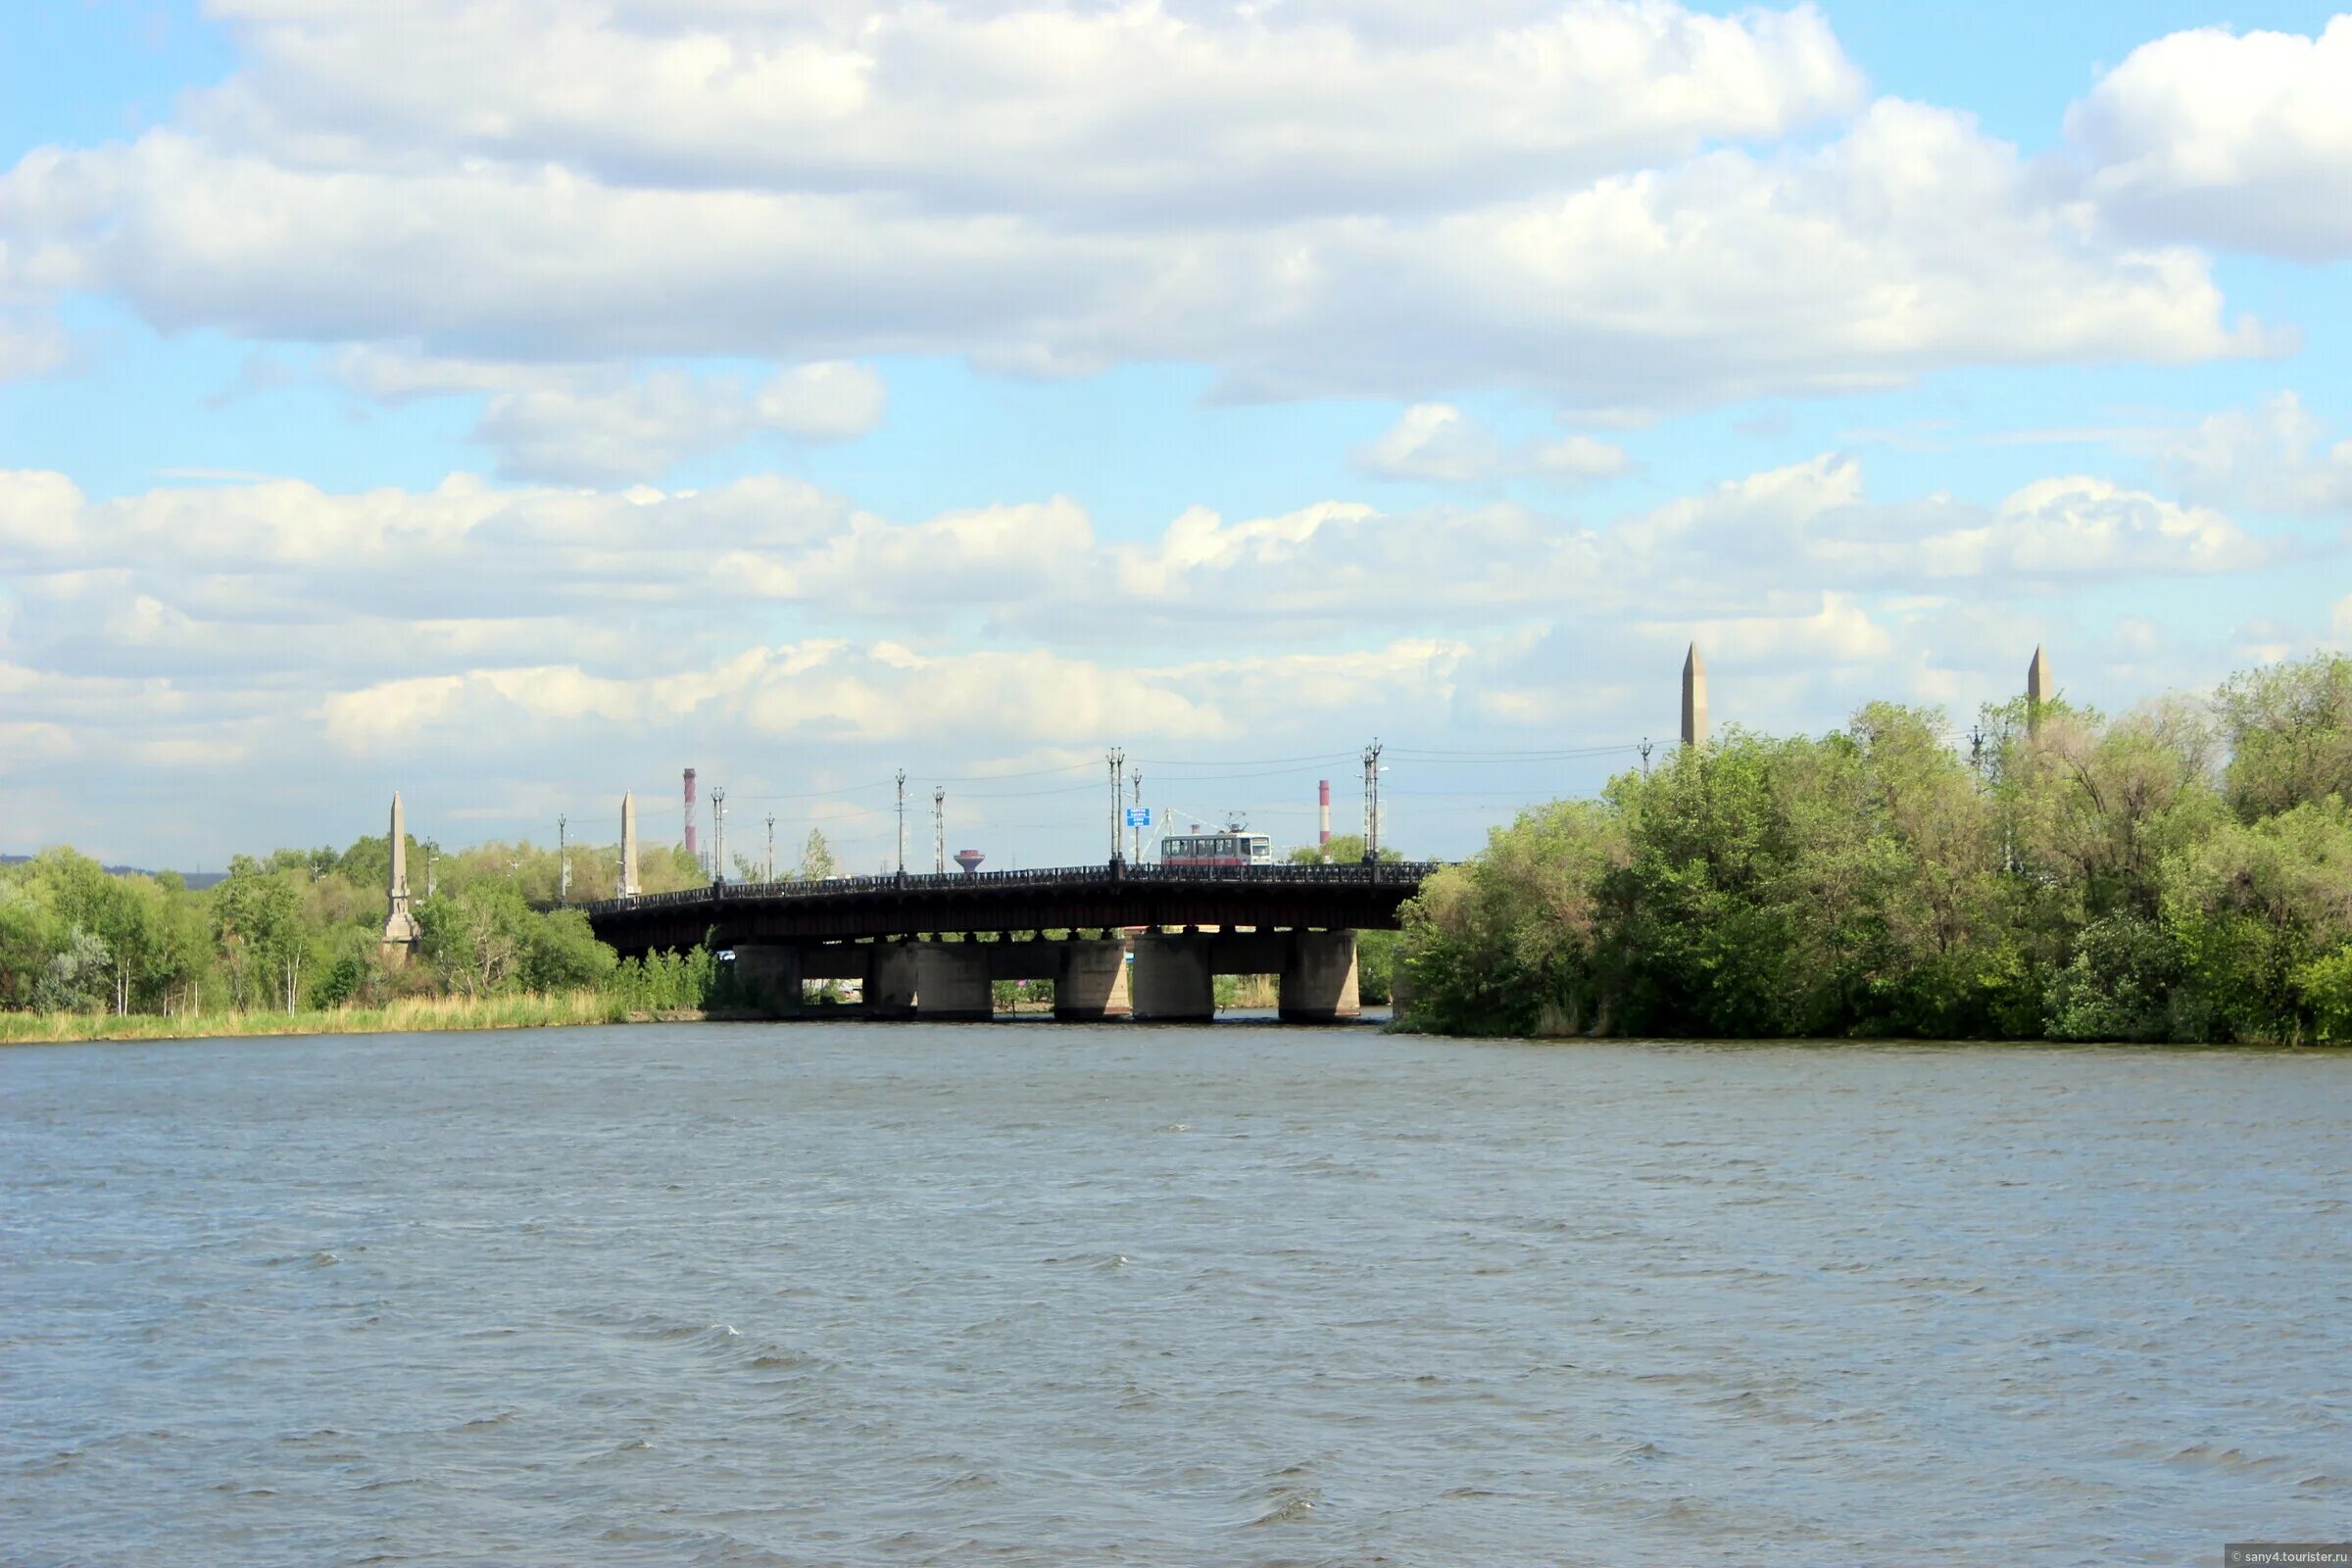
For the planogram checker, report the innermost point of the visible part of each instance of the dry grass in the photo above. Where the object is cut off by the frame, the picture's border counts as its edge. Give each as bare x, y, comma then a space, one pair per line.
410, 1013
1257, 991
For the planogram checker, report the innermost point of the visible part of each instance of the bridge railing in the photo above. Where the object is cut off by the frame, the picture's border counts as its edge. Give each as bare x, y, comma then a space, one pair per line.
1317, 875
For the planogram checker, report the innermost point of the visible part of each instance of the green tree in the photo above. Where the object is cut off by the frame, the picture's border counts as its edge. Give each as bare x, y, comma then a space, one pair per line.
476, 938
1345, 849
2258, 911
1512, 942
2121, 985
2290, 732
561, 953
76, 977
816, 859
257, 924
30, 937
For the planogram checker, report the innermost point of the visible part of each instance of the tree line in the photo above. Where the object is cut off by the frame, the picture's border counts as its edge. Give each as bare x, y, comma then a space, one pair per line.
2182, 872
302, 929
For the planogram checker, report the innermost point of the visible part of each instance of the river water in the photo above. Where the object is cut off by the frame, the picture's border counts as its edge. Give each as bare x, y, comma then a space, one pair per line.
871, 1293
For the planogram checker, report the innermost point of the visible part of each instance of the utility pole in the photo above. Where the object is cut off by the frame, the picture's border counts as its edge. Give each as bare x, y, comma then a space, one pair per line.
1976, 754
901, 822
771, 846
719, 834
939, 830
1645, 757
562, 859
1138, 830
431, 849
1372, 802
1117, 761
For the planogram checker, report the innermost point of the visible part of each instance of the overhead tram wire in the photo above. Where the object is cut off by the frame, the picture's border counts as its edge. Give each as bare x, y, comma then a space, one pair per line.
654, 802
1551, 755
1248, 762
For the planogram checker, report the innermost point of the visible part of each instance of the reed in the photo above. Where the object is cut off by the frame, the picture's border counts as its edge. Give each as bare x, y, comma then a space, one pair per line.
530, 1011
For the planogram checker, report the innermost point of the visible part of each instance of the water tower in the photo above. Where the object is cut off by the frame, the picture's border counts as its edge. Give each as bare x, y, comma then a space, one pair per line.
969, 859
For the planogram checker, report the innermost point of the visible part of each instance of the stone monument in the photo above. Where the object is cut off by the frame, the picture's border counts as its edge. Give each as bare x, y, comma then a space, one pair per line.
1694, 699
400, 926
2039, 689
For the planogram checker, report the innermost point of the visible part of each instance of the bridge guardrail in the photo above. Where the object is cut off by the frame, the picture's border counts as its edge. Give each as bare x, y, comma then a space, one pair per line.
933, 881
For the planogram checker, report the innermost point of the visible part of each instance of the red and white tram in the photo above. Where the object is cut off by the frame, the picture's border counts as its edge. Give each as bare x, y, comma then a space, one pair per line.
1225, 846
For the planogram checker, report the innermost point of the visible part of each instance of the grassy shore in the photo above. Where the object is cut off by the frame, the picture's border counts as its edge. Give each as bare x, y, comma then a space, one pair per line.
412, 1014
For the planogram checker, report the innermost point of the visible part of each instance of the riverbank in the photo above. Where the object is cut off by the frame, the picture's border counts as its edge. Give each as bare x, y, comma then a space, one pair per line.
422, 1014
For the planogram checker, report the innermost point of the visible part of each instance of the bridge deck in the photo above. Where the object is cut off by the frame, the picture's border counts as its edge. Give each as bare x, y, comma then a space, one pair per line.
1309, 897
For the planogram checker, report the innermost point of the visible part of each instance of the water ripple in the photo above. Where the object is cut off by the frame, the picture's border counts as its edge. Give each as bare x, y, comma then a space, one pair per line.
844, 1295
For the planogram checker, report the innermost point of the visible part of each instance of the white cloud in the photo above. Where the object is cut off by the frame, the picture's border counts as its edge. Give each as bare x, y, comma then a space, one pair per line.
594, 423
1437, 441
2243, 141
834, 691
1432, 441
1157, 112
2275, 458
277, 574
1578, 458
2086, 527
1812, 524
1326, 201
1841, 631
523, 652
397, 372
830, 402
638, 431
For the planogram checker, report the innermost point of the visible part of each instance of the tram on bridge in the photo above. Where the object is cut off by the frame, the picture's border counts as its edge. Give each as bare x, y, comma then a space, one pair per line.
1228, 846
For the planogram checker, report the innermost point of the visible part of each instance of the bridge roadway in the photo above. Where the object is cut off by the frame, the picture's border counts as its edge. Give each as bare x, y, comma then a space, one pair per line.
1326, 898
1297, 921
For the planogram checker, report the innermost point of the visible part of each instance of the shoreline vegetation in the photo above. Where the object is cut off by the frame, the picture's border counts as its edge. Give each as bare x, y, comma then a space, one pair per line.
454, 1013
406, 1014
2180, 873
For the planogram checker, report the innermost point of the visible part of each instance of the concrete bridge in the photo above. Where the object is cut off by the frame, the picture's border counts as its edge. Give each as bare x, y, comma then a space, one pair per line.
929, 946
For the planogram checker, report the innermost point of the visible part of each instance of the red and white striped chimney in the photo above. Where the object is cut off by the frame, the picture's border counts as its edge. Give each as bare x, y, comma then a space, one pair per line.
690, 835
1323, 812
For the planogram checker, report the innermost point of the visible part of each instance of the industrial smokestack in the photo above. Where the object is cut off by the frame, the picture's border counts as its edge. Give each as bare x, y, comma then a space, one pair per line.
690, 834
1323, 815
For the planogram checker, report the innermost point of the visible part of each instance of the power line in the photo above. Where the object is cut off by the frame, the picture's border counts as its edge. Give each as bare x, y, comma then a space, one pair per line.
1248, 762
1035, 773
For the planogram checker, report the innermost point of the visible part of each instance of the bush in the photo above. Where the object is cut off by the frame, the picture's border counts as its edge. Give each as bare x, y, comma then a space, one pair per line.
340, 981
2120, 985
561, 953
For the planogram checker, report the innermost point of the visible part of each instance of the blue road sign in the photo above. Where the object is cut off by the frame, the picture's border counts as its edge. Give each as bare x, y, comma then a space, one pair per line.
1139, 816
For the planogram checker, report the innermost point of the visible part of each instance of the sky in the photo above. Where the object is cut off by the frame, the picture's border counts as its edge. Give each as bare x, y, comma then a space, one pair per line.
515, 402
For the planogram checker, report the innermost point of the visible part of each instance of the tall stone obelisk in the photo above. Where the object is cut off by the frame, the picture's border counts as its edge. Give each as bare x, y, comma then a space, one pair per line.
400, 926
1694, 699
2039, 689
628, 846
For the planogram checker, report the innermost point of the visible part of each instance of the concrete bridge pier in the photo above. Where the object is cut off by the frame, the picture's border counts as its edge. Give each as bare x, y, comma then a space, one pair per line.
893, 972
1319, 979
1174, 981
1089, 981
951, 982
769, 974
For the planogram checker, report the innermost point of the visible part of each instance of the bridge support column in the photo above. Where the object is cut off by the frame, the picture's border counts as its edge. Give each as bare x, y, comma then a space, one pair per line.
1319, 979
1173, 980
951, 982
768, 975
892, 974
1089, 981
